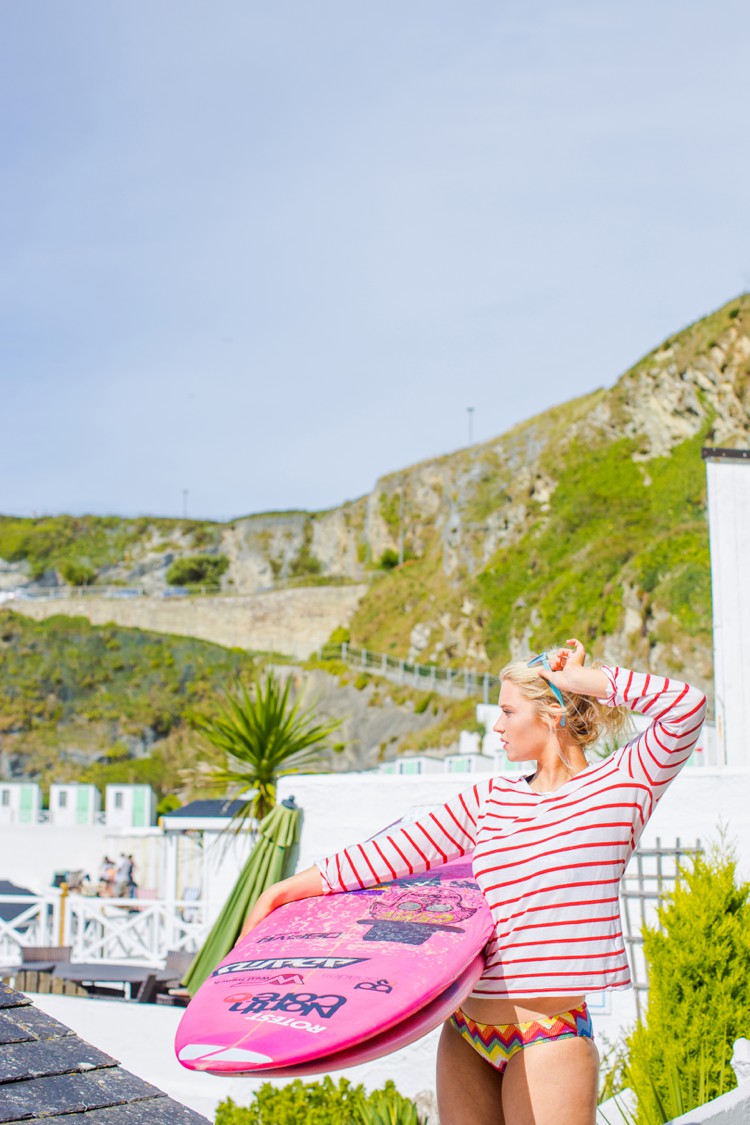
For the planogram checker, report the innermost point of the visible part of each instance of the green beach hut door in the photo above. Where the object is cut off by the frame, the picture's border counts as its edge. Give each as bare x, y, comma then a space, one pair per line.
139, 807
83, 799
26, 806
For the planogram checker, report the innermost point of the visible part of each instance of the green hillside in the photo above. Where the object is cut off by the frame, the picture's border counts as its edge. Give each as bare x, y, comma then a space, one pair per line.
589, 519
595, 518
104, 703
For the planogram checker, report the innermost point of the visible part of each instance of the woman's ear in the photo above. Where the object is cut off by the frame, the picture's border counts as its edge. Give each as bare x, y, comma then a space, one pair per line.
559, 718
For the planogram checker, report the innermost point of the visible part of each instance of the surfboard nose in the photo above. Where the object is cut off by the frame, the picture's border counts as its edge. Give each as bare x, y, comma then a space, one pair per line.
214, 1052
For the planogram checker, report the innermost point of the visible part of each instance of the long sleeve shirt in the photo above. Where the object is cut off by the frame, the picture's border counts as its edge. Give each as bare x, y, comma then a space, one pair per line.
548, 864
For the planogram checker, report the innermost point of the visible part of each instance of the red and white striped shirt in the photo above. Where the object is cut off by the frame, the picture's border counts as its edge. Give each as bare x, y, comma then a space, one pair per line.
549, 864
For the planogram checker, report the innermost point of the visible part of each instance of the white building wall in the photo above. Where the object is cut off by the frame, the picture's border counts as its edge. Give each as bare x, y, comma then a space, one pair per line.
469, 742
30, 854
729, 531
487, 714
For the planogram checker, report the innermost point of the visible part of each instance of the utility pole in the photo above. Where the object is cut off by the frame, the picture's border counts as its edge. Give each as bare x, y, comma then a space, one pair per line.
401, 527
470, 412
184, 503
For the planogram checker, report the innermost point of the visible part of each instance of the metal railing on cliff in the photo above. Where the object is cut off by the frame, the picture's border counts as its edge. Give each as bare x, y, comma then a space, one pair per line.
459, 683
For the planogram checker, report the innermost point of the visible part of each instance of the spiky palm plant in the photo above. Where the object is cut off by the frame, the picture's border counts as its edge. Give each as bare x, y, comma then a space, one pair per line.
264, 734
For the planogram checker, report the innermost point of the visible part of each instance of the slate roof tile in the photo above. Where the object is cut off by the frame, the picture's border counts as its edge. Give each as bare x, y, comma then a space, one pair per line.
49, 1074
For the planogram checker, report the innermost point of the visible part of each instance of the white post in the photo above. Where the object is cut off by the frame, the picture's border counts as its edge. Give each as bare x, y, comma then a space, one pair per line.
728, 475
171, 844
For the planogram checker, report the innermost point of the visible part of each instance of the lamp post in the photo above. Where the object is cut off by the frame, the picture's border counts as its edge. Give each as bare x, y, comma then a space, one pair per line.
470, 412
401, 527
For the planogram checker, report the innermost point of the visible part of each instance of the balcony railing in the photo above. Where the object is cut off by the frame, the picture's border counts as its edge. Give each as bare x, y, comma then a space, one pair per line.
141, 931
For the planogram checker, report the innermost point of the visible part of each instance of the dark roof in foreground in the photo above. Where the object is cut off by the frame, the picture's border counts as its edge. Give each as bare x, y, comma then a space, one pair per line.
48, 1074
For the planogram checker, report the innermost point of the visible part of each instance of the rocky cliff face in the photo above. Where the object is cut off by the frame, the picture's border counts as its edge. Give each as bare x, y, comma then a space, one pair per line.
589, 517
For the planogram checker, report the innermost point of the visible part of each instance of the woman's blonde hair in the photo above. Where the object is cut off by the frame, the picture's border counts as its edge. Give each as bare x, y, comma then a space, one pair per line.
586, 719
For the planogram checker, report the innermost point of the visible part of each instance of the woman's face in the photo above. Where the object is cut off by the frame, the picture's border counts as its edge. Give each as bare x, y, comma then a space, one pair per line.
523, 733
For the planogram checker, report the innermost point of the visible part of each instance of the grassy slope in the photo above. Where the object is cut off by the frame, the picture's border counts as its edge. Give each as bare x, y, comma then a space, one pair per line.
72, 693
606, 527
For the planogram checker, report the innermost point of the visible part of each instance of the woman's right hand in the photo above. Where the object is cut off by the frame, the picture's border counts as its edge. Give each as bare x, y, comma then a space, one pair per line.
306, 884
260, 909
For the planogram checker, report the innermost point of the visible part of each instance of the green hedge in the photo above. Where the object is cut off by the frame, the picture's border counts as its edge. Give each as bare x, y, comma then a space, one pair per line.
320, 1103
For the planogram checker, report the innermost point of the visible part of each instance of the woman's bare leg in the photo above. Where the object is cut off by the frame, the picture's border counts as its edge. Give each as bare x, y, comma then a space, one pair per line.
469, 1090
547, 1083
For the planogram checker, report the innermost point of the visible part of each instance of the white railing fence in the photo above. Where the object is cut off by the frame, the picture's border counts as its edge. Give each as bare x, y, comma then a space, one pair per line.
102, 929
651, 874
459, 682
35, 921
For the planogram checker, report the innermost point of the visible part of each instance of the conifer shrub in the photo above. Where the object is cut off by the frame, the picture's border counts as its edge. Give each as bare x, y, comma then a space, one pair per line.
320, 1103
699, 990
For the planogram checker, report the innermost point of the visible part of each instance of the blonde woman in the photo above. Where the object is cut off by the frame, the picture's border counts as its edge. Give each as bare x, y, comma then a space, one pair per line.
549, 850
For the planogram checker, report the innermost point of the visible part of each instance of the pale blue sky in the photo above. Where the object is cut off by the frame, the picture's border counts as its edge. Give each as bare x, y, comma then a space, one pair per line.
268, 252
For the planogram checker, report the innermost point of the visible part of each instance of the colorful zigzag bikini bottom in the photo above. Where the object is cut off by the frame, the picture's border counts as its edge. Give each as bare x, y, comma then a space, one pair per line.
498, 1044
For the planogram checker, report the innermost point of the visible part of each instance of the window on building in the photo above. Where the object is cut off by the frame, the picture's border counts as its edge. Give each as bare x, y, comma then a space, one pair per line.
62, 800
119, 799
5, 797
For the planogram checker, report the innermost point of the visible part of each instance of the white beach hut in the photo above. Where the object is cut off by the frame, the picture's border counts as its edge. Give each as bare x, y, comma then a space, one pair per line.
20, 802
74, 806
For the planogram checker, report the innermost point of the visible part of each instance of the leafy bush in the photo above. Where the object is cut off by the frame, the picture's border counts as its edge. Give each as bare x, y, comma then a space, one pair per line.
340, 636
423, 703
387, 1107
168, 804
197, 570
699, 991
388, 559
320, 1103
77, 574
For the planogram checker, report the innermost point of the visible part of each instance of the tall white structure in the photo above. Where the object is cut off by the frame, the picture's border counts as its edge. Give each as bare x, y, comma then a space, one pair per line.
728, 473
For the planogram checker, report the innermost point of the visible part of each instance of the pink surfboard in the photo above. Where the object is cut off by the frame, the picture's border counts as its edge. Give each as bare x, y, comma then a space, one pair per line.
408, 1031
342, 977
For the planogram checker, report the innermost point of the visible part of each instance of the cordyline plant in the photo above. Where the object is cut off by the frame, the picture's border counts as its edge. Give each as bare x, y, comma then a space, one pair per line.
264, 734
